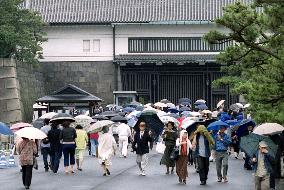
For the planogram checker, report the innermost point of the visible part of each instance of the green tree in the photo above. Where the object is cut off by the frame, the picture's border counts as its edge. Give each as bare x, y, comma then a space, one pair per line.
254, 65
21, 32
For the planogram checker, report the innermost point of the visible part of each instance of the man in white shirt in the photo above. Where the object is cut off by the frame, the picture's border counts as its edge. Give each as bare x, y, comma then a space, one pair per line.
124, 133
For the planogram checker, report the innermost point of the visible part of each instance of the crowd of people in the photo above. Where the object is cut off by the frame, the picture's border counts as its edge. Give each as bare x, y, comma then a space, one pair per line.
182, 148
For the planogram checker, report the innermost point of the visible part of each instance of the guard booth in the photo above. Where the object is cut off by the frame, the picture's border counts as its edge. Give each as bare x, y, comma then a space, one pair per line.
124, 97
72, 100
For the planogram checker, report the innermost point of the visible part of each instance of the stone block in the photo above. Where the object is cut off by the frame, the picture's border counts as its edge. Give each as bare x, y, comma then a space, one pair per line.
11, 83
82, 79
9, 94
7, 72
11, 116
13, 104
9, 63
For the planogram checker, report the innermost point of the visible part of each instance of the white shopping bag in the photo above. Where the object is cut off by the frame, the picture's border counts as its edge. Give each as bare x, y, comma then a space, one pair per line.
160, 148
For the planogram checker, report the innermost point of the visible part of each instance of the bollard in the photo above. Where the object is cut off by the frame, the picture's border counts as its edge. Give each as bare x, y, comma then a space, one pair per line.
12, 162
3, 160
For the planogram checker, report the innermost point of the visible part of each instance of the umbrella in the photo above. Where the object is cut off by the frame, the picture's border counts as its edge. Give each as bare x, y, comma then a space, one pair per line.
247, 105
234, 107
200, 101
161, 113
201, 106
38, 123
173, 110
118, 118
48, 115
128, 109
171, 105
208, 122
97, 111
100, 117
250, 144
184, 100
215, 126
220, 103
139, 108
83, 120
190, 129
133, 104
121, 114
240, 105
149, 111
206, 111
166, 119
152, 121
232, 122
165, 101
97, 127
174, 115
269, 129
160, 104
31, 133
242, 127
135, 113
4, 129
132, 121
187, 122
184, 109
20, 125
109, 113
62, 117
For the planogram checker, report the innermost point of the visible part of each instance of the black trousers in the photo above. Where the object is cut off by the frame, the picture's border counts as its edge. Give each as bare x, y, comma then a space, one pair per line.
203, 166
27, 172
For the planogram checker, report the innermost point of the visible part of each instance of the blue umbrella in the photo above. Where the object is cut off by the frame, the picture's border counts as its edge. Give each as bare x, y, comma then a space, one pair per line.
182, 109
5, 130
128, 109
173, 110
232, 122
184, 100
215, 126
201, 106
242, 127
139, 108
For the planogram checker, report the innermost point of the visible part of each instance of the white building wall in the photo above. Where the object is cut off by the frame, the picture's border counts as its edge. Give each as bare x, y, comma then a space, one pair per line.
65, 43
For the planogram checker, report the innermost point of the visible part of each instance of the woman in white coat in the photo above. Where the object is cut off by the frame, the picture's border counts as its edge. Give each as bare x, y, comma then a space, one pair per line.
106, 149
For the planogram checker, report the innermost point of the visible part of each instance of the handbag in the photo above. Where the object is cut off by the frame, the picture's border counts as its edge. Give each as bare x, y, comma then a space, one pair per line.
35, 164
175, 153
160, 147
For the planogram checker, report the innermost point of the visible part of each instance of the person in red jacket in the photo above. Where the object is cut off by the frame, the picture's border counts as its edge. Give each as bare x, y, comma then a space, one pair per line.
94, 143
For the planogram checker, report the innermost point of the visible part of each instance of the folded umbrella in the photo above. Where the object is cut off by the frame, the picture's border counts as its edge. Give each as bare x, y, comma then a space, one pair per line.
269, 129
250, 144
118, 118
215, 126
5, 130
220, 103
62, 117
48, 115
97, 127
20, 125
31, 133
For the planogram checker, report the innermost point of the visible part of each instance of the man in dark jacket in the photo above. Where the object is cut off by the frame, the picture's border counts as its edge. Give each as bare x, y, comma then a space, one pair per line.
55, 146
140, 144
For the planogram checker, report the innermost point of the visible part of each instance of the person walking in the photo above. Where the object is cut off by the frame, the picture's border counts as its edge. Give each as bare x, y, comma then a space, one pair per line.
202, 141
262, 165
94, 143
184, 145
45, 145
169, 137
140, 145
124, 133
106, 149
81, 144
68, 136
27, 150
55, 146
222, 142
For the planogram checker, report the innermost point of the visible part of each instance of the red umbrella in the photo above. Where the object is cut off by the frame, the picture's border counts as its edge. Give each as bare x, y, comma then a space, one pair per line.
17, 126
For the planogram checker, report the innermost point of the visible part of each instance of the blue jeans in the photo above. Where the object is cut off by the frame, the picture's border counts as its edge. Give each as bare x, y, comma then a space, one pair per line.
69, 154
94, 144
55, 159
45, 151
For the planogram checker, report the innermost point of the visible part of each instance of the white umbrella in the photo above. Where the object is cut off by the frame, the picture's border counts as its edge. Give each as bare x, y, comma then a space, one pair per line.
247, 105
240, 105
31, 133
220, 103
194, 114
206, 111
161, 113
171, 105
166, 119
200, 101
160, 104
268, 129
97, 127
83, 120
48, 115
187, 122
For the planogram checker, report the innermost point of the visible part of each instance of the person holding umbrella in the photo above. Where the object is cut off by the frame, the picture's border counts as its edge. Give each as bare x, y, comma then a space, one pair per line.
222, 142
140, 145
81, 144
45, 145
262, 165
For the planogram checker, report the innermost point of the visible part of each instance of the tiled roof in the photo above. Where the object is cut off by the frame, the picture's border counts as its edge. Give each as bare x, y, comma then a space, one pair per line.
164, 58
128, 11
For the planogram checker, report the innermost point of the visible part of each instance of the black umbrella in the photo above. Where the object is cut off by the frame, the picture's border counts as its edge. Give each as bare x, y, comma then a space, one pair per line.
152, 121
121, 114
62, 117
100, 117
109, 114
194, 126
118, 118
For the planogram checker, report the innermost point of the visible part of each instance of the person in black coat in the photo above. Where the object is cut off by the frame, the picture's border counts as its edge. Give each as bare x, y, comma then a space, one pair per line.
140, 145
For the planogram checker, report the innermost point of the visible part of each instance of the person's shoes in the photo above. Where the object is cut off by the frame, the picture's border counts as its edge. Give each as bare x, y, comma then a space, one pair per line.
236, 157
27, 187
203, 183
225, 179
46, 169
125, 157
143, 173
72, 172
104, 174
197, 170
108, 173
219, 179
172, 172
167, 173
184, 182
80, 169
179, 180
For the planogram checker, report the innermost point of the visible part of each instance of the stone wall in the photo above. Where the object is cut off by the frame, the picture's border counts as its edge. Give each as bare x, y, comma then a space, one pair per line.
97, 78
10, 100
31, 81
